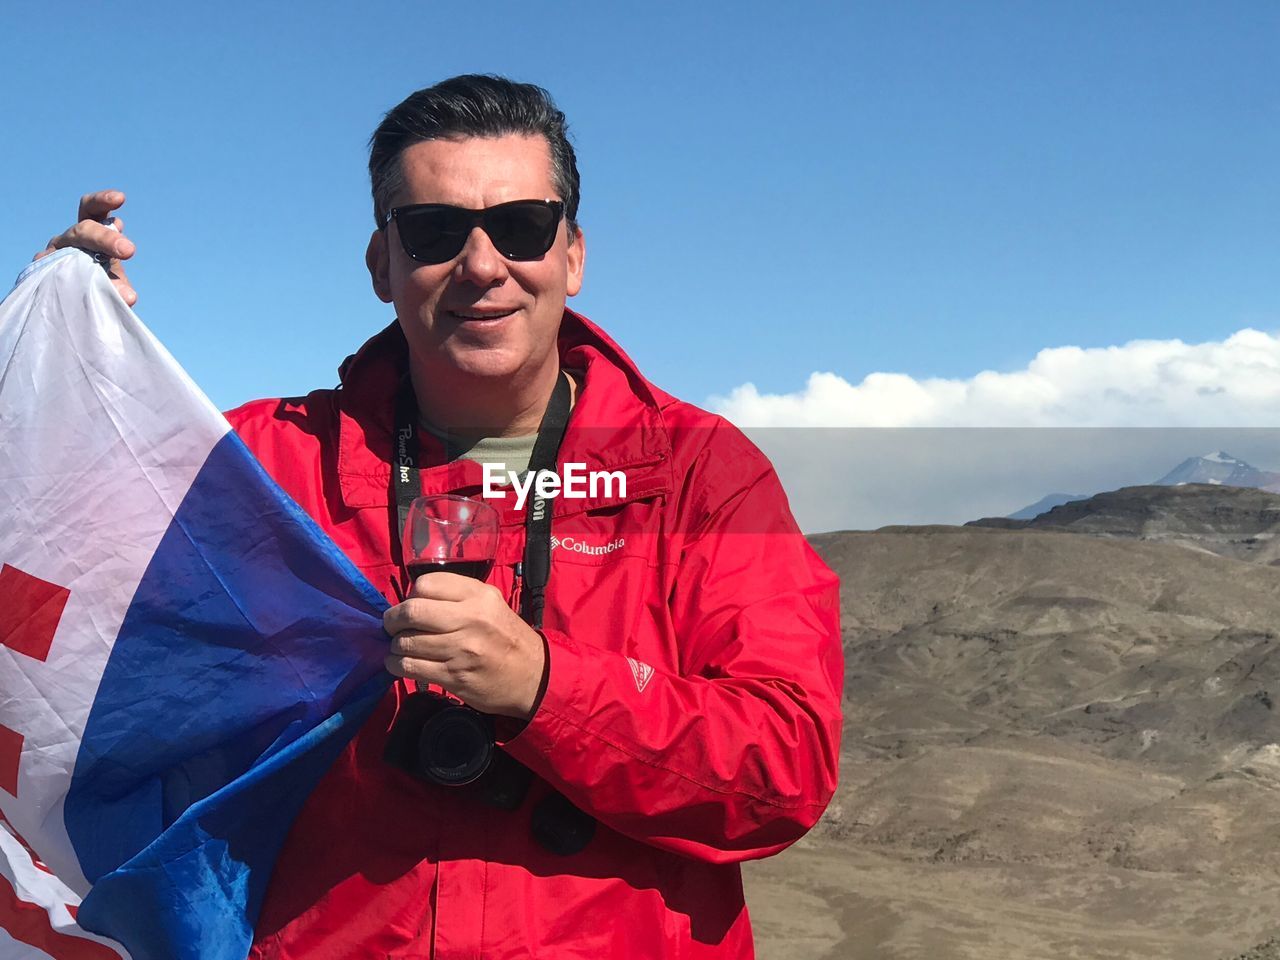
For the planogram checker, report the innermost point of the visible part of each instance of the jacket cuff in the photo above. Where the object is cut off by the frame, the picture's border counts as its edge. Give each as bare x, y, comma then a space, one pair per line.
561, 698
506, 729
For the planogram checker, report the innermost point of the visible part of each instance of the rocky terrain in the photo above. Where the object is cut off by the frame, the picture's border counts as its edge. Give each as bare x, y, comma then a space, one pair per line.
1229, 521
1056, 746
1263, 951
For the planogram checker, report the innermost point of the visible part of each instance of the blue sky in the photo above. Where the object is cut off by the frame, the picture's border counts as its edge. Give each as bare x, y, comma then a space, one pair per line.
934, 189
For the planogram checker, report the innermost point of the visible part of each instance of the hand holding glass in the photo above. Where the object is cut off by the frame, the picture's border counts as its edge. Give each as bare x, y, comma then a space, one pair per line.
436, 738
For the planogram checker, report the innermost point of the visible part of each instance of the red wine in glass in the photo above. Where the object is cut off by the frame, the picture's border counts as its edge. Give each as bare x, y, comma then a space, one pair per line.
479, 569
451, 534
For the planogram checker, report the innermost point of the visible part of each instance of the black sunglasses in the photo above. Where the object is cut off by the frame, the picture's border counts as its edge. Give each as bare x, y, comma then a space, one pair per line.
437, 232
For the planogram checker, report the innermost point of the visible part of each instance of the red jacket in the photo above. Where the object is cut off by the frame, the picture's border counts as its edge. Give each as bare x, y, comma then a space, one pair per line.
692, 706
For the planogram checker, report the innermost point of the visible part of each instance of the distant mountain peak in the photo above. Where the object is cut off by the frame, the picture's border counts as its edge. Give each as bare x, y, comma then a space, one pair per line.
1218, 468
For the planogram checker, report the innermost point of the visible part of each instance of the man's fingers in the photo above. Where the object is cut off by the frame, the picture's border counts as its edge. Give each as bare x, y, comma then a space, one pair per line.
444, 586
96, 238
99, 238
440, 670
115, 270
423, 646
121, 283
423, 615
107, 240
104, 238
412, 668
95, 206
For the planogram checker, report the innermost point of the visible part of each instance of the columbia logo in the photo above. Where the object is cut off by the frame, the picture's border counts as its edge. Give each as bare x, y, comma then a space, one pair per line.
575, 545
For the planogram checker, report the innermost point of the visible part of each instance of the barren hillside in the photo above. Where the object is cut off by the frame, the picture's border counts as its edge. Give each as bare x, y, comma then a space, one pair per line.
1055, 746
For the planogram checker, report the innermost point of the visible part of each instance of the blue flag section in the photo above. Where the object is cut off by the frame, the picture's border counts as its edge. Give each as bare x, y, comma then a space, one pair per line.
250, 655
206, 655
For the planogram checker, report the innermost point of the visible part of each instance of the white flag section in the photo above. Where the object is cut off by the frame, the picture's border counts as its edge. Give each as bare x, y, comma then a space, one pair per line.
182, 651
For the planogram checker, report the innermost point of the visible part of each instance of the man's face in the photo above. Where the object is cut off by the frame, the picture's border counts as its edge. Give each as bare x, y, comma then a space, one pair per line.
480, 313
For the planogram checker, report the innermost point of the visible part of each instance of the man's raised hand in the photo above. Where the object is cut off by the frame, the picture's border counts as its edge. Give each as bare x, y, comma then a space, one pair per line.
90, 234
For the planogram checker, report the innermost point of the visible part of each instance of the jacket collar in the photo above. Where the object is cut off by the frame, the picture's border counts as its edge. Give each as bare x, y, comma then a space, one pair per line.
616, 422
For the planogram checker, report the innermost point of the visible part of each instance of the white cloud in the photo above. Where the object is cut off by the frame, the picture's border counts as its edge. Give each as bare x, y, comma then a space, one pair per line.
1146, 383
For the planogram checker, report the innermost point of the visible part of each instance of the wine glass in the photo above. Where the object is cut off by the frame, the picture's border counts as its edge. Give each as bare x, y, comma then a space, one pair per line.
436, 737
450, 533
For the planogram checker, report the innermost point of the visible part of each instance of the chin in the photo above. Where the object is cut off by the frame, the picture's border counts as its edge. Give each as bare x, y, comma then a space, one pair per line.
493, 363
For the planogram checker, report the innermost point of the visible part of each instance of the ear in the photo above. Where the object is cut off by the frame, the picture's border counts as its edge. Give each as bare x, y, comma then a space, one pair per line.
377, 258
576, 263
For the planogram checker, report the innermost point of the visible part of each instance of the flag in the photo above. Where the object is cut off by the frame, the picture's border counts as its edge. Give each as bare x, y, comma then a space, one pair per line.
183, 652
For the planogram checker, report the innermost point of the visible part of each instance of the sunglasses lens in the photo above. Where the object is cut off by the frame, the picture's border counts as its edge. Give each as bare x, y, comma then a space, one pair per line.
433, 234
436, 233
522, 230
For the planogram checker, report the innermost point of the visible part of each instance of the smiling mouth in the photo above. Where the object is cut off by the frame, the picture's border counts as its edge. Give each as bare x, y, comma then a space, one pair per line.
480, 315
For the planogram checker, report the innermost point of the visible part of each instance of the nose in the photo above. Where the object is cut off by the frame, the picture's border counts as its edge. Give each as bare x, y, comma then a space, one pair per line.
480, 263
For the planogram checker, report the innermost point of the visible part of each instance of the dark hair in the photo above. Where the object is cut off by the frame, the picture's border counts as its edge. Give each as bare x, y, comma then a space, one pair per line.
472, 105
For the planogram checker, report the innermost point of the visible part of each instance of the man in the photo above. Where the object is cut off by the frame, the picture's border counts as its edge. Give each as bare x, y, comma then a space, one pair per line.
678, 702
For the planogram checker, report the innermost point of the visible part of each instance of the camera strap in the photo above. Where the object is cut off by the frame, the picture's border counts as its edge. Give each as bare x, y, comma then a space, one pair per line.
535, 570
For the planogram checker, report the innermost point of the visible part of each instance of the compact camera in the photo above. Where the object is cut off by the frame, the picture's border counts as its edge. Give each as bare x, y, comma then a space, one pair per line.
440, 740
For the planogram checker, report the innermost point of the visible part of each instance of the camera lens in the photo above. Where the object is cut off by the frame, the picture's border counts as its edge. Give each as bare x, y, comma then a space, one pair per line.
455, 746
